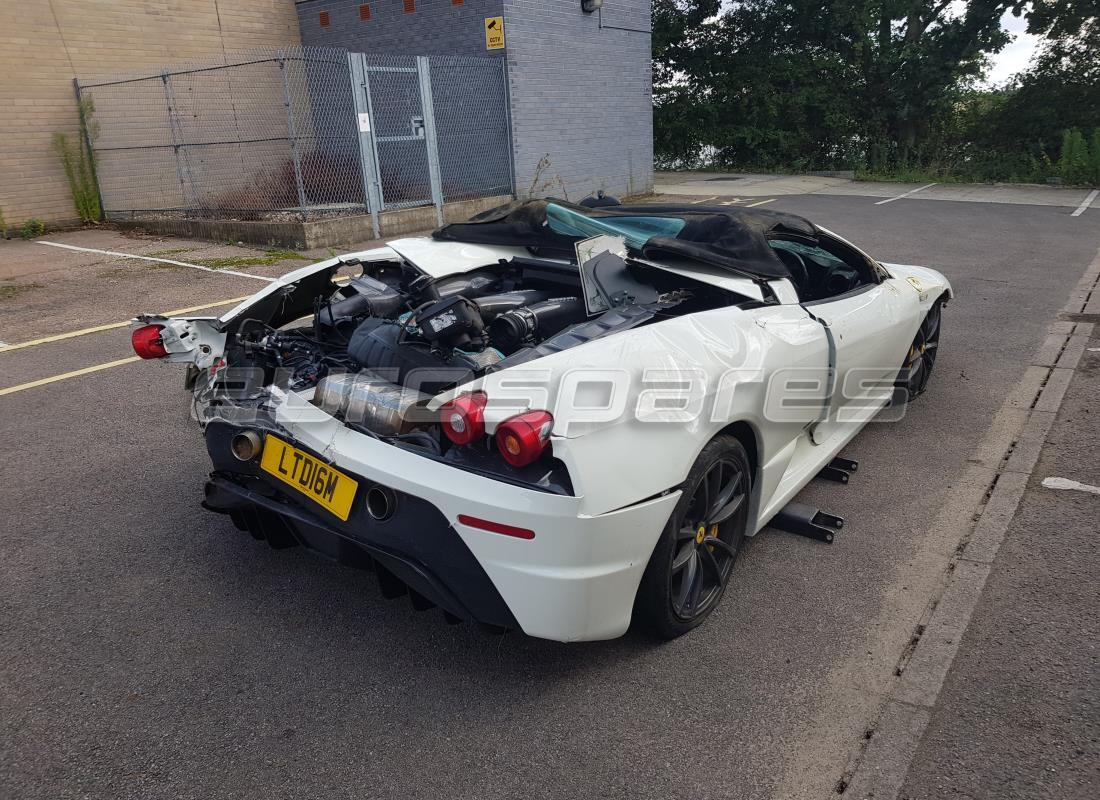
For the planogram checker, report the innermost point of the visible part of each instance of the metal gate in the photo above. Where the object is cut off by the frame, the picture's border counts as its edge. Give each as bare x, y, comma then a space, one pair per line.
398, 143
432, 129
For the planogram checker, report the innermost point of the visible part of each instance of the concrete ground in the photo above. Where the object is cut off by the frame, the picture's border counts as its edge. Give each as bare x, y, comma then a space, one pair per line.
697, 185
151, 650
1019, 714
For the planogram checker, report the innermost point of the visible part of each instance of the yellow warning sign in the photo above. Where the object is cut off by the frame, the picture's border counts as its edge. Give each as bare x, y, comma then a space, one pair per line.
494, 33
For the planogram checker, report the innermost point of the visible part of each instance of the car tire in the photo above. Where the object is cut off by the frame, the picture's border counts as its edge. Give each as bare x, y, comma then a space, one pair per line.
691, 565
916, 370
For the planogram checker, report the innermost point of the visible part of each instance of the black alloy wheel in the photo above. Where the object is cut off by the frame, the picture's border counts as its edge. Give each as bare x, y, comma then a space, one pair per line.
917, 369
693, 560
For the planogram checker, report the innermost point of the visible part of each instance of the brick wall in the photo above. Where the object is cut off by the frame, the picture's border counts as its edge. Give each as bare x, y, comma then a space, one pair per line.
581, 96
44, 45
428, 28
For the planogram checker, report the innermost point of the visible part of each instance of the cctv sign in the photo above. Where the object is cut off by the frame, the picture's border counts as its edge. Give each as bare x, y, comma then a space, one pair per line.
494, 33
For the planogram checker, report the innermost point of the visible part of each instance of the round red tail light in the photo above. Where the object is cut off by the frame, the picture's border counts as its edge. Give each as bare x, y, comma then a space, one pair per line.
522, 438
147, 343
463, 419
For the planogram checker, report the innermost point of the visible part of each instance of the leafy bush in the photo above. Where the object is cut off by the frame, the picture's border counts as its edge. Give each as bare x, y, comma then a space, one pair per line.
1094, 156
1074, 163
32, 228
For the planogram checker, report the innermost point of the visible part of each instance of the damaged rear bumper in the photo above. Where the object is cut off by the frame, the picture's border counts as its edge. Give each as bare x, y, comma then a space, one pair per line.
455, 582
575, 579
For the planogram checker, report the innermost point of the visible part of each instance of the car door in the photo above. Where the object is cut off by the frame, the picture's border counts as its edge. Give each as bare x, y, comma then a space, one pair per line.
871, 321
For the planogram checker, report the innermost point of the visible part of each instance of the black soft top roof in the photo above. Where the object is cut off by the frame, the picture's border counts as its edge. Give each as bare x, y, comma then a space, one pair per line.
730, 238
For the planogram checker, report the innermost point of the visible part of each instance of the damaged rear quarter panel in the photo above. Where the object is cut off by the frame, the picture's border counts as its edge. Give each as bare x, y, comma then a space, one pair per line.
633, 410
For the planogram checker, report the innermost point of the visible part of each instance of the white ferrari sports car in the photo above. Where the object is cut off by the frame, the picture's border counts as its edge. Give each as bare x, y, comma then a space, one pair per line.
554, 418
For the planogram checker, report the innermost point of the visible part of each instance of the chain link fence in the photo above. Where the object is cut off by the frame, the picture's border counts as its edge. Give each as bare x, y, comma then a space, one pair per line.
300, 133
473, 124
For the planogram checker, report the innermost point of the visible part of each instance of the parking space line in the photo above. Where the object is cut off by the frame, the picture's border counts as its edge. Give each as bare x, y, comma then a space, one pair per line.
113, 325
1054, 482
905, 194
66, 375
161, 260
1088, 201
760, 203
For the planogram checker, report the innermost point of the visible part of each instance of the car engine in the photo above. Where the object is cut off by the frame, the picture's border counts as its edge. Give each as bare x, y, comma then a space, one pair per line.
377, 348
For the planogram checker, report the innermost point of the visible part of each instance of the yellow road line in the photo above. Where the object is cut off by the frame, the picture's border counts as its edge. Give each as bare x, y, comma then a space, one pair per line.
114, 325
770, 200
76, 373
231, 302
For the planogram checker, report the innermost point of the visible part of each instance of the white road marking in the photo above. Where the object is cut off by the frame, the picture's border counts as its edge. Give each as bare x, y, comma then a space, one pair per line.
161, 260
697, 202
1088, 201
762, 202
905, 194
1066, 483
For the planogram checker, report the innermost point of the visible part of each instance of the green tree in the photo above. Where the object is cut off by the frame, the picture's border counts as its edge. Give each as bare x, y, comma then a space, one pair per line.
889, 84
678, 30
1094, 157
1060, 19
819, 84
1059, 91
675, 27
733, 84
915, 60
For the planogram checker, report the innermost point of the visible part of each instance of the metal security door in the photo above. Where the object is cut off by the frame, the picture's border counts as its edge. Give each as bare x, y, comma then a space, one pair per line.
395, 110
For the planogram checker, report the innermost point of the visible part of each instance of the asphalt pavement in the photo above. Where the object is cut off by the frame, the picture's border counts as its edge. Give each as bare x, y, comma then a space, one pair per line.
152, 650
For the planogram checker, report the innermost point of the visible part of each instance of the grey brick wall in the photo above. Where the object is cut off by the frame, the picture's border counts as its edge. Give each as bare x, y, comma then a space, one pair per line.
581, 92
435, 28
579, 84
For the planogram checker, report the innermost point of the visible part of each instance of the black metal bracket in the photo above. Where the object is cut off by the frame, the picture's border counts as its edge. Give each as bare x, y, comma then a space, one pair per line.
807, 521
839, 470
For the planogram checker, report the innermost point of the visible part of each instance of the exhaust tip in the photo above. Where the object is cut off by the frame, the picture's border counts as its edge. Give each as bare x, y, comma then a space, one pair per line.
381, 503
246, 445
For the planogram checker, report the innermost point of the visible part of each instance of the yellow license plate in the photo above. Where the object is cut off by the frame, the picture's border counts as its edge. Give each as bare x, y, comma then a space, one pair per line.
321, 483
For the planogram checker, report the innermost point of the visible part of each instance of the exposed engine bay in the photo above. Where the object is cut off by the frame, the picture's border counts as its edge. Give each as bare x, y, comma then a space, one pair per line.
377, 347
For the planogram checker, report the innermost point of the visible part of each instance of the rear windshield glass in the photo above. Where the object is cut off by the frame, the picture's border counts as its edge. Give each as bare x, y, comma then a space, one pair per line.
635, 230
